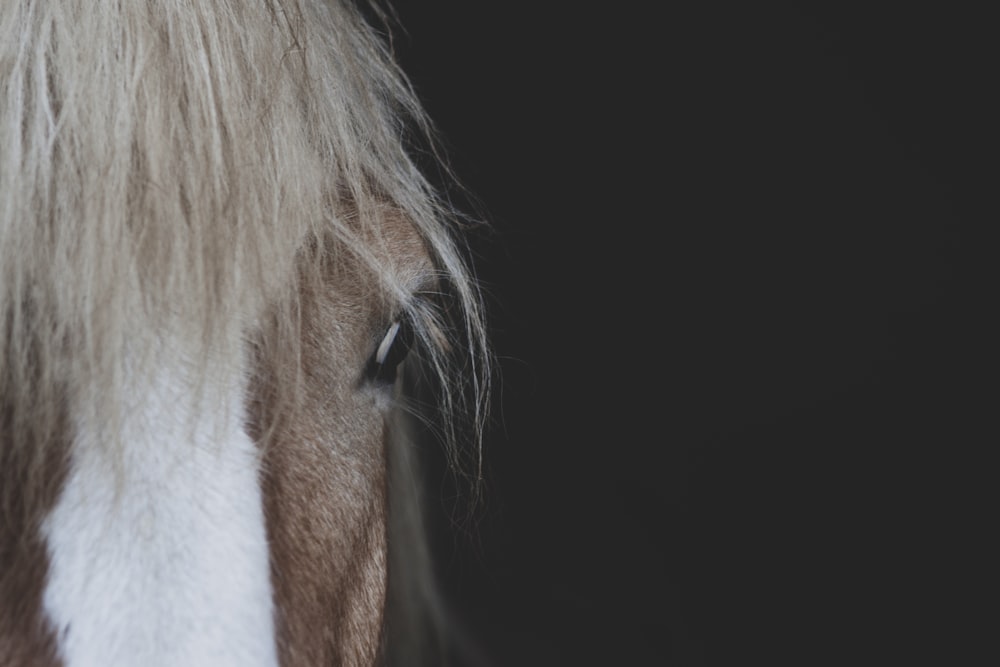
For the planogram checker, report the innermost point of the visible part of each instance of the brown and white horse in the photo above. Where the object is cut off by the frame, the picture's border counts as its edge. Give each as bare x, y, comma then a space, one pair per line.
215, 250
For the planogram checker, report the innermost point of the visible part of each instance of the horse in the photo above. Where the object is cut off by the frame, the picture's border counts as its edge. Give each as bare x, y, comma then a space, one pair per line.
222, 259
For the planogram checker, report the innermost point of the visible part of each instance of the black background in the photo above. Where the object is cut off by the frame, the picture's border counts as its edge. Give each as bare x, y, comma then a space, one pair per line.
735, 281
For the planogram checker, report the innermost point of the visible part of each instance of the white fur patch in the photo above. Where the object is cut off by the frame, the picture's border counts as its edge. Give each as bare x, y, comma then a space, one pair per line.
173, 568
386, 344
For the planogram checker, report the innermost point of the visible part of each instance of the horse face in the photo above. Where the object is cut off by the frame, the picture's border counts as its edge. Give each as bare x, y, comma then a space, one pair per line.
208, 235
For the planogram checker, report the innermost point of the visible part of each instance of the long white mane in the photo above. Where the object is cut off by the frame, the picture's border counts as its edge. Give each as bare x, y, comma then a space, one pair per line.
181, 163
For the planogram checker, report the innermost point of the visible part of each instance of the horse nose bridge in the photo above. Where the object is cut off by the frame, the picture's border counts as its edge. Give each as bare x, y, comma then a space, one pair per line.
159, 551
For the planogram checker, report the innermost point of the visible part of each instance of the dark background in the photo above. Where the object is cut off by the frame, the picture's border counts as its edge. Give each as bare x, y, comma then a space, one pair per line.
736, 283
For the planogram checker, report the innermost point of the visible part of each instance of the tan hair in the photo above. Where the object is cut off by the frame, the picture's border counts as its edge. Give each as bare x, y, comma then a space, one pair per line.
181, 164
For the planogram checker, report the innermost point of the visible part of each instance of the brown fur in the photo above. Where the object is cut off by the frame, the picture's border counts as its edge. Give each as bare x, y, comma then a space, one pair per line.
26, 638
325, 482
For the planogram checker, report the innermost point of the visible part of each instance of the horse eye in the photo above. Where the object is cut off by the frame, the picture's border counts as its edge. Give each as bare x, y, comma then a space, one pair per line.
390, 352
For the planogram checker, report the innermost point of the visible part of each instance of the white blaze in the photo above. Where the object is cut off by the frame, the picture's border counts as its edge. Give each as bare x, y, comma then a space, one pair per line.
165, 563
